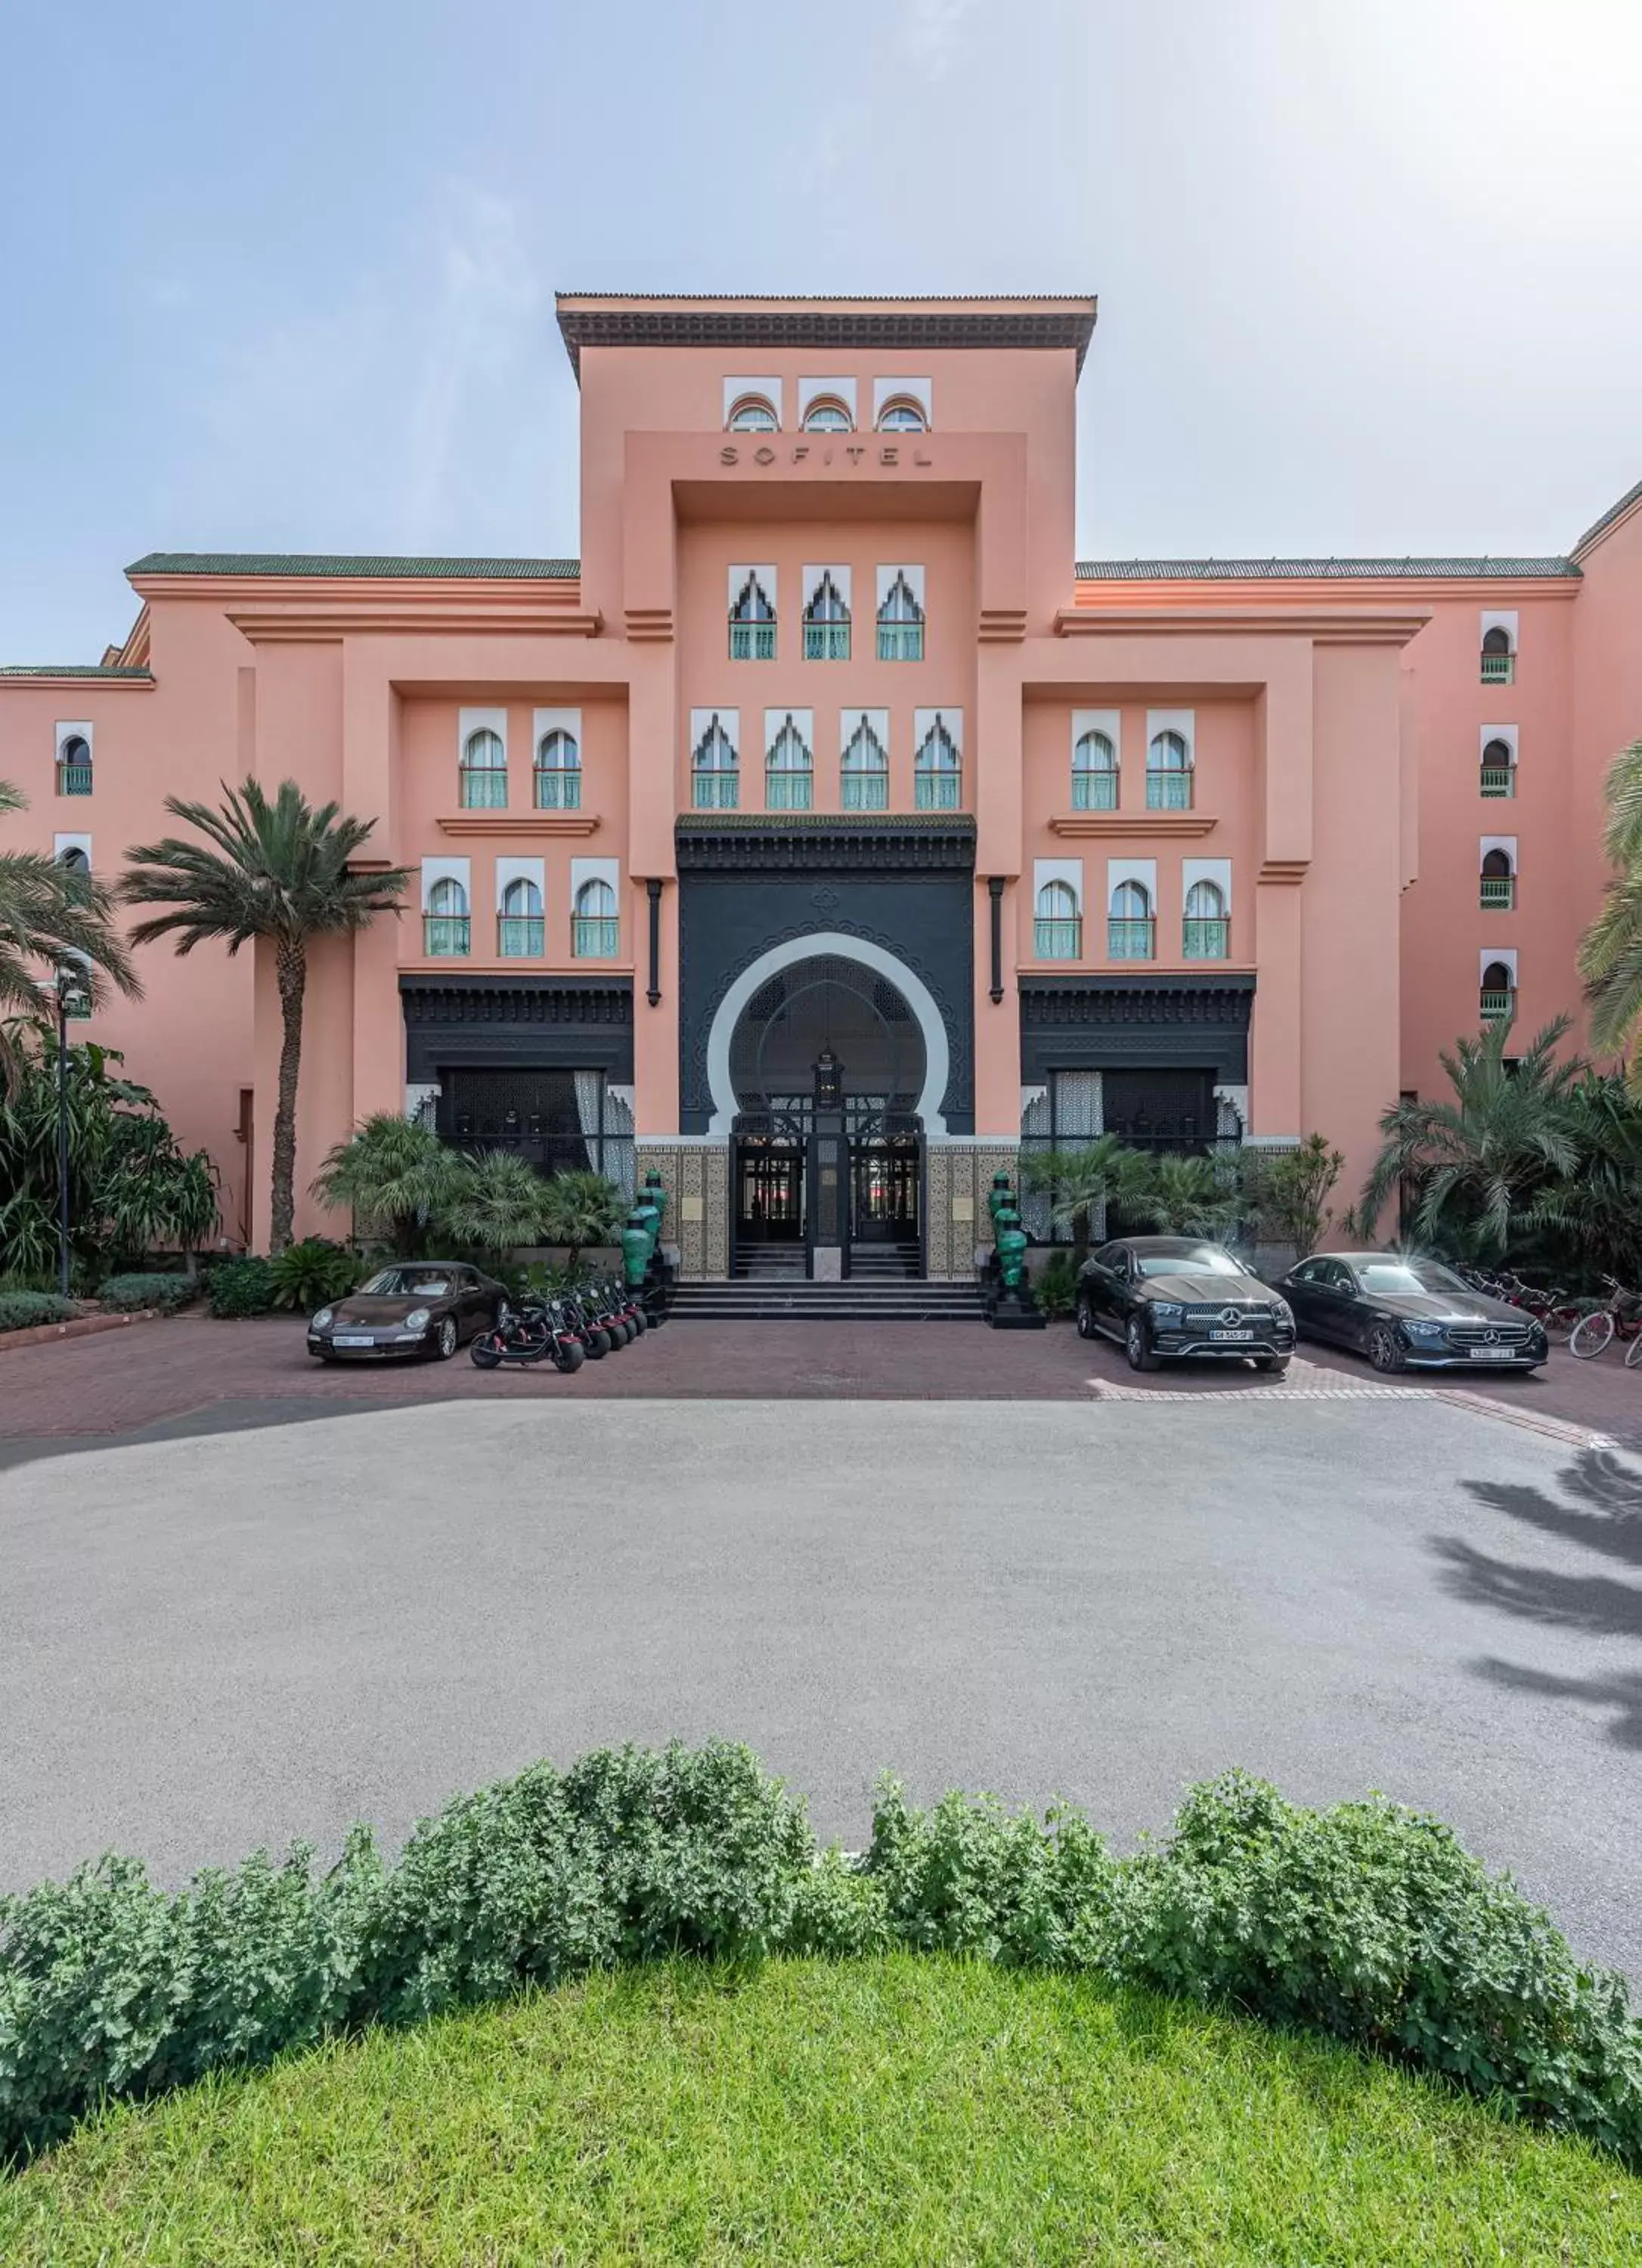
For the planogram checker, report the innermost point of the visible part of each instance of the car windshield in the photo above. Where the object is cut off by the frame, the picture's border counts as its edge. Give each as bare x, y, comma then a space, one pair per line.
406, 1283
1197, 1260
1396, 1277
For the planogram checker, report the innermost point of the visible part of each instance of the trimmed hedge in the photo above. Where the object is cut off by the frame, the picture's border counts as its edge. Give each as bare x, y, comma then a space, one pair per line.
1366, 1922
23, 1311
126, 1295
241, 1287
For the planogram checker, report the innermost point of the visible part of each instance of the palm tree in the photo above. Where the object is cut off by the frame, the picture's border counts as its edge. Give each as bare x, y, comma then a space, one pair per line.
396, 1176
1610, 952
1081, 1181
580, 1208
1473, 1160
1185, 1196
50, 914
278, 871
498, 1202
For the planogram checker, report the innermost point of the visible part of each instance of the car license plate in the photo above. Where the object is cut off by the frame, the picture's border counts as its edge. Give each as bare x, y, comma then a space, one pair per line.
1485, 1354
1231, 1334
355, 1340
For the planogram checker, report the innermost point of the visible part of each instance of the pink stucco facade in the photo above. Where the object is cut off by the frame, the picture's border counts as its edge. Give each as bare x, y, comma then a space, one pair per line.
1280, 939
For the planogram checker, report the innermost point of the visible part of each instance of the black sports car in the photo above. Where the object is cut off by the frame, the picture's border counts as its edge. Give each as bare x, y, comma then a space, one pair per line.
1166, 1297
1409, 1315
420, 1306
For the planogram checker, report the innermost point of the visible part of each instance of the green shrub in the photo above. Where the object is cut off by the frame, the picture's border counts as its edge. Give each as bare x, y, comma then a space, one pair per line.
123, 1295
22, 1311
1366, 1922
310, 1275
1056, 1290
241, 1287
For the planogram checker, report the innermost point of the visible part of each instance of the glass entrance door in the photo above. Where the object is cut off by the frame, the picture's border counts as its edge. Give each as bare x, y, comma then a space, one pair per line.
885, 1178
769, 1193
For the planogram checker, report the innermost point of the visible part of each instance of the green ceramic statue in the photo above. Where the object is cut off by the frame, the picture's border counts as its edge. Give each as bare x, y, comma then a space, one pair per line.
1009, 1240
999, 1195
643, 1232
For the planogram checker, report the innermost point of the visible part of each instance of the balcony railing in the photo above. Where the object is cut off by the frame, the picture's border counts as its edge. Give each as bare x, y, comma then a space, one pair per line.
937, 791
1168, 791
445, 937
595, 936
1206, 937
1129, 938
520, 937
1498, 890
74, 779
1498, 668
1496, 1005
558, 791
752, 641
1095, 790
826, 641
866, 790
1058, 938
788, 790
901, 641
715, 791
1499, 779
484, 791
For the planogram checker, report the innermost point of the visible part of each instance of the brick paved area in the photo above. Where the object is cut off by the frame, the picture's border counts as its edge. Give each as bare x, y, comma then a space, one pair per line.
165, 1372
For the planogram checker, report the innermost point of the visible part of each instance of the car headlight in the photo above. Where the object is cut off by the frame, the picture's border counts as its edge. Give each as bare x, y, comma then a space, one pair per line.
321, 1322
1426, 1330
417, 1320
1168, 1312
1282, 1310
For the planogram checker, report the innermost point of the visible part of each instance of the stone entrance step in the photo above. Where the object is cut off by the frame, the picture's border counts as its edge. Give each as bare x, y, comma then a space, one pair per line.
804, 1302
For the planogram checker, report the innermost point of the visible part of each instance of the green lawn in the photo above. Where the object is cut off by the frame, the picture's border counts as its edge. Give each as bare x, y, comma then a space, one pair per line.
909, 2108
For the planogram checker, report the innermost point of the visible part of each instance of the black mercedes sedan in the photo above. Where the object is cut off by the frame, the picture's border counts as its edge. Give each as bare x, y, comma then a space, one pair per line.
1405, 1314
415, 1307
1164, 1297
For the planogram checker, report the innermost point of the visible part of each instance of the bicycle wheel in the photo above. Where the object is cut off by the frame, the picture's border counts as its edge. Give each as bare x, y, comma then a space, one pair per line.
1589, 1337
1633, 1352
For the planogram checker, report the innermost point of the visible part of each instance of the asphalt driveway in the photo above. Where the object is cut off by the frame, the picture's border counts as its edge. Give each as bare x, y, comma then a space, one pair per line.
239, 1638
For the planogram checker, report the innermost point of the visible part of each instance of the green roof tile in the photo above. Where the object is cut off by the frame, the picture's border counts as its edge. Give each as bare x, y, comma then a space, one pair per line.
73, 669
365, 567
1321, 570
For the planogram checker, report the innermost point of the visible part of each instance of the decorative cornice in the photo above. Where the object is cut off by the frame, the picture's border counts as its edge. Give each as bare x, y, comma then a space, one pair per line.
819, 841
516, 1000
1167, 824
1283, 871
520, 823
649, 625
752, 320
1001, 625
1154, 1000
1324, 624
121, 680
325, 618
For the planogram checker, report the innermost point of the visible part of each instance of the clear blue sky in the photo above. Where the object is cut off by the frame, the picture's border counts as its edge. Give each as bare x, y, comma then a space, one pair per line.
280, 275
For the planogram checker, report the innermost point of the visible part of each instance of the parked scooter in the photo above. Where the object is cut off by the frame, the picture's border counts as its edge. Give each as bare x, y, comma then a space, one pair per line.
540, 1331
628, 1306
582, 1314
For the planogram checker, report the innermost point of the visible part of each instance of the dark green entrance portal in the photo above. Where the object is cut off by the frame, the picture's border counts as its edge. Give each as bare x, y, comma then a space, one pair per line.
828, 1063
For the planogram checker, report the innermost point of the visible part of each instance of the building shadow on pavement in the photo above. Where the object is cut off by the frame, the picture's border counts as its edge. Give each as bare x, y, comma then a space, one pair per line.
1599, 1510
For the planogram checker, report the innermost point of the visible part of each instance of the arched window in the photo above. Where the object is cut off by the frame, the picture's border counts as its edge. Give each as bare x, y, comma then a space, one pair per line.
900, 623
73, 766
1498, 880
74, 861
937, 771
1093, 773
595, 931
788, 771
1057, 926
714, 781
519, 927
558, 771
1168, 773
752, 413
827, 622
444, 926
865, 771
752, 623
827, 414
1500, 985
483, 783
901, 414
1499, 659
1500, 770
1206, 925
1130, 926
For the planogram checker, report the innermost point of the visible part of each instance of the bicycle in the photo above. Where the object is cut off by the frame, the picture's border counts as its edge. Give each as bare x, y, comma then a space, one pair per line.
1558, 1310
1619, 1317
